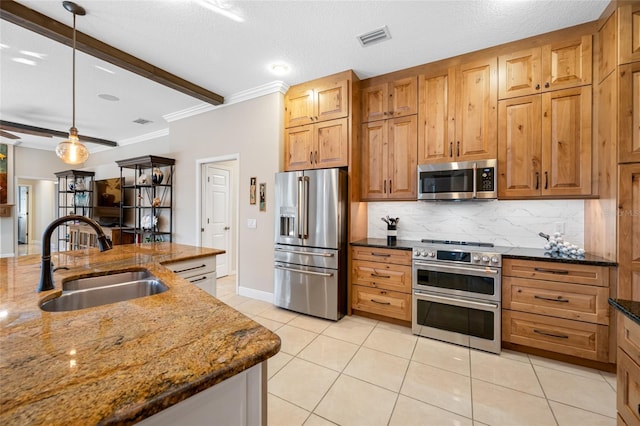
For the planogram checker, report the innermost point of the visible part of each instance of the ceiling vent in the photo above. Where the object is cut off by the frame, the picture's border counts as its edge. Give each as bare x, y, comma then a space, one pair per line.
374, 36
142, 121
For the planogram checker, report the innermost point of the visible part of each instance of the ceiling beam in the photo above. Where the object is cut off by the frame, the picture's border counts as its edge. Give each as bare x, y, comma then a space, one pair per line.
20, 15
47, 133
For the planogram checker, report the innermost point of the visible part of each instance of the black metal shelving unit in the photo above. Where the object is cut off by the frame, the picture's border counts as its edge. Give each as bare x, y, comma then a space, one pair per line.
75, 196
141, 187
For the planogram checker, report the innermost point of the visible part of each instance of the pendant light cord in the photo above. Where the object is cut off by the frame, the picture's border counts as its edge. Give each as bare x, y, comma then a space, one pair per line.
73, 73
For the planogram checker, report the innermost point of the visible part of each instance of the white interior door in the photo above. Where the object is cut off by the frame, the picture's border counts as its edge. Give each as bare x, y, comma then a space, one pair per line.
216, 220
23, 215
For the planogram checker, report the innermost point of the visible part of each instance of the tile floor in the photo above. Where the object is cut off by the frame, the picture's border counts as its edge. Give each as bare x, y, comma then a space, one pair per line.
362, 372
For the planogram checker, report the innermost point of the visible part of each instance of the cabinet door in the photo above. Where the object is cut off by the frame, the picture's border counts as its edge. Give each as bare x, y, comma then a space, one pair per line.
628, 389
331, 144
519, 147
298, 148
298, 107
628, 231
374, 160
519, 73
566, 142
375, 102
331, 100
403, 97
629, 113
402, 139
436, 129
629, 33
476, 111
567, 64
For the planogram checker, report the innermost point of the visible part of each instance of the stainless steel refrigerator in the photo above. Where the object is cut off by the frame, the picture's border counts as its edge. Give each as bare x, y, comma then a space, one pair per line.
310, 243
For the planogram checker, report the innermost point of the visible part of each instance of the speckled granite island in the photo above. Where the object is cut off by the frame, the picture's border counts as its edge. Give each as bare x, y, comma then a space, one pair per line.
122, 362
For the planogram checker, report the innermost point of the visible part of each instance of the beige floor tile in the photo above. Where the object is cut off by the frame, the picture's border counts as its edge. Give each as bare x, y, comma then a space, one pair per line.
294, 339
395, 327
610, 378
329, 352
234, 300
364, 320
378, 368
283, 413
302, 383
566, 367
253, 307
266, 322
306, 322
278, 314
505, 372
442, 388
276, 362
442, 355
409, 412
578, 391
314, 420
497, 405
350, 329
571, 416
391, 341
516, 356
353, 402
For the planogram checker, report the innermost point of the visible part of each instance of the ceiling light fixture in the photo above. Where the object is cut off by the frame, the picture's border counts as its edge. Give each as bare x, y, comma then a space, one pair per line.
279, 69
71, 151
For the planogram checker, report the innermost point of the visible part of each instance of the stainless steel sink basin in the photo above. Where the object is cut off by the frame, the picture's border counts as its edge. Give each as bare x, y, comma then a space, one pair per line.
102, 290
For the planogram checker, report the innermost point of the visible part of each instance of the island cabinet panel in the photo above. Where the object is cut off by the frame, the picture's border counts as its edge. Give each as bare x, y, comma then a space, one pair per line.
629, 33
629, 113
628, 232
628, 374
388, 100
200, 271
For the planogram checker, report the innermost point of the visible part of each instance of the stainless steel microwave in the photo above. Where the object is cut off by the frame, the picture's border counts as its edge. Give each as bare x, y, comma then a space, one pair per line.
465, 180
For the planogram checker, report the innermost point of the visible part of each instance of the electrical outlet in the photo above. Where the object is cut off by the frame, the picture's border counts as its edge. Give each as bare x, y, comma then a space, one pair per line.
252, 223
559, 227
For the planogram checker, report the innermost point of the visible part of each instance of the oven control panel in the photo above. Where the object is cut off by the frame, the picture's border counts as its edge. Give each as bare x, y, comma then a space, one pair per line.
458, 256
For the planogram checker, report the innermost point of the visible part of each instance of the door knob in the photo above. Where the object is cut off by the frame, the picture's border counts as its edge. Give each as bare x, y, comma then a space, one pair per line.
226, 228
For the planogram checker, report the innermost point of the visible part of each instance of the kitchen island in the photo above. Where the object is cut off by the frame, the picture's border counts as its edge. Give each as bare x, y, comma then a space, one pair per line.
120, 362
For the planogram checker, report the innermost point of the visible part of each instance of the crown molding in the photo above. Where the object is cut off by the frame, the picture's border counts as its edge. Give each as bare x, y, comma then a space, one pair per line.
147, 136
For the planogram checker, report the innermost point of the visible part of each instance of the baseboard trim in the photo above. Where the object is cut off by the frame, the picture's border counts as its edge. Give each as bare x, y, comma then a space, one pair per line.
265, 296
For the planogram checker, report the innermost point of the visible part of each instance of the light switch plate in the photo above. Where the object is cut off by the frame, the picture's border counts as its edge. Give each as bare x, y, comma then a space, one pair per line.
252, 223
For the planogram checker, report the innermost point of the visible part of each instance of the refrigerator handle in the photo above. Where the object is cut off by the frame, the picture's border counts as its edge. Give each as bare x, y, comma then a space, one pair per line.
300, 207
305, 224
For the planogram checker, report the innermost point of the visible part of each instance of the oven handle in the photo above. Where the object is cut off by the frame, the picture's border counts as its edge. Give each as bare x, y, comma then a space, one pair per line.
446, 268
475, 183
455, 301
320, 274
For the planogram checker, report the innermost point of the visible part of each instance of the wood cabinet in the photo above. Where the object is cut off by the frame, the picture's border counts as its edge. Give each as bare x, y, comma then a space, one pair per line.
321, 100
629, 33
544, 145
555, 66
389, 166
629, 113
628, 232
556, 307
458, 113
628, 374
381, 282
320, 145
388, 100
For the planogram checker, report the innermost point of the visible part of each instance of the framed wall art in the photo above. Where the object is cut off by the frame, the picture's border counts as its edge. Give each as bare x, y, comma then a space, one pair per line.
263, 197
252, 190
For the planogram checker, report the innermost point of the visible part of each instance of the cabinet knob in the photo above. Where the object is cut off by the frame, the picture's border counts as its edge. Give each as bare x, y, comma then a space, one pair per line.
547, 85
537, 86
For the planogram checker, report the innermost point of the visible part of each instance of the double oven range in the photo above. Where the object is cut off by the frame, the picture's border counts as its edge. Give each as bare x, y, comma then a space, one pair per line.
457, 293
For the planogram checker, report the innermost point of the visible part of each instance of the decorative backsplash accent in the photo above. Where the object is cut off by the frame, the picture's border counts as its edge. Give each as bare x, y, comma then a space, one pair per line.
504, 223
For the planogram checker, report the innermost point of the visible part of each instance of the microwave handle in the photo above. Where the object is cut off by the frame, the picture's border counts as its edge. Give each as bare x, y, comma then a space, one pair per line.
475, 180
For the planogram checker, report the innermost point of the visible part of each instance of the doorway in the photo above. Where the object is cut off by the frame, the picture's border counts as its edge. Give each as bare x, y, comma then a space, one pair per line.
23, 213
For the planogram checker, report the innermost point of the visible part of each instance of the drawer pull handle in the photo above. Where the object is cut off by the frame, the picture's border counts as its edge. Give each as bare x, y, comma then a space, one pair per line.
552, 271
380, 303
551, 299
189, 269
380, 276
559, 336
200, 279
380, 254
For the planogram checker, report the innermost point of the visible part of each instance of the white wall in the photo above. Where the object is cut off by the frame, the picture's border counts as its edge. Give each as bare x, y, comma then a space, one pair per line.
504, 223
7, 224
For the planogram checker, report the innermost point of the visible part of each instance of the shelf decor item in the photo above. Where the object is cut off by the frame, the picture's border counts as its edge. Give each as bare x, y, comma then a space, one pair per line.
263, 197
157, 176
252, 190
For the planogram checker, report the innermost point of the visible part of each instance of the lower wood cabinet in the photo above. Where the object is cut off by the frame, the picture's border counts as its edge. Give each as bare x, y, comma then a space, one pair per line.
382, 302
628, 377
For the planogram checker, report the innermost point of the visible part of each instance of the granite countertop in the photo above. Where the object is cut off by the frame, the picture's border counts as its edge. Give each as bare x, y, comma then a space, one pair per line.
121, 362
628, 307
507, 252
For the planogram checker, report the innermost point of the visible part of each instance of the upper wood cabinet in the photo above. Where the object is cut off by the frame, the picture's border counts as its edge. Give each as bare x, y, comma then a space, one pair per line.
629, 113
629, 33
320, 100
458, 113
544, 145
389, 100
554, 66
628, 231
317, 146
389, 167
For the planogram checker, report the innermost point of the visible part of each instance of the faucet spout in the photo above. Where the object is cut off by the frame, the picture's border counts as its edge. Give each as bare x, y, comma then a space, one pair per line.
46, 273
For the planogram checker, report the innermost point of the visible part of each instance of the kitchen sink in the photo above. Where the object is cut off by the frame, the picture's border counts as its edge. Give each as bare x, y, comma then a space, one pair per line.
101, 290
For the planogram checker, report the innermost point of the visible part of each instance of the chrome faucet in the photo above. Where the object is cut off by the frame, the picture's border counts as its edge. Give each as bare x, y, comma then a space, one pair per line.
46, 272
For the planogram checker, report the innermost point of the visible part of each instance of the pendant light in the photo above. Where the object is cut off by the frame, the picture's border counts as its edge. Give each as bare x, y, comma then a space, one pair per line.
71, 151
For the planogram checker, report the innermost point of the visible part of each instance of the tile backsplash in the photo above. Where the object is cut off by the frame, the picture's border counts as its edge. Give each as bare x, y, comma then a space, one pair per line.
504, 223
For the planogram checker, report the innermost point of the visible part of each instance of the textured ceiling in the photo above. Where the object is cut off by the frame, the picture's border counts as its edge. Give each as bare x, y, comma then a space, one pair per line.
315, 38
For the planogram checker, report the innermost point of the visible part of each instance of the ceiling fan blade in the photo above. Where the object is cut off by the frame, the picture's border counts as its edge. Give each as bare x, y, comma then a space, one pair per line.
40, 131
8, 135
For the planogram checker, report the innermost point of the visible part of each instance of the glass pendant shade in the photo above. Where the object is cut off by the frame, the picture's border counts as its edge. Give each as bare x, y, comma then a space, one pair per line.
71, 151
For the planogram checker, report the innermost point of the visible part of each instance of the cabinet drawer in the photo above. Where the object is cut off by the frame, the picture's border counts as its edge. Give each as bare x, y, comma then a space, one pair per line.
556, 271
373, 254
382, 275
193, 267
576, 338
382, 302
629, 337
628, 389
571, 301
